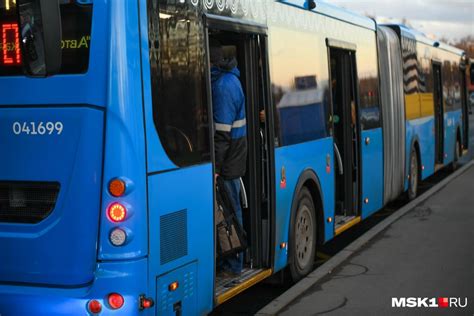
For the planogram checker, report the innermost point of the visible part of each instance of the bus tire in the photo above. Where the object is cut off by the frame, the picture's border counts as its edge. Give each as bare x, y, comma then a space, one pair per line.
302, 247
457, 155
414, 179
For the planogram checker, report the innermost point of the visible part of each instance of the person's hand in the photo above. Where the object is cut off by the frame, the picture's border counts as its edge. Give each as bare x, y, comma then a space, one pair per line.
215, 176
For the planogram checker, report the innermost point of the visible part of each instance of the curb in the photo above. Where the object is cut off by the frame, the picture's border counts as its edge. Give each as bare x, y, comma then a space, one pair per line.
278, 304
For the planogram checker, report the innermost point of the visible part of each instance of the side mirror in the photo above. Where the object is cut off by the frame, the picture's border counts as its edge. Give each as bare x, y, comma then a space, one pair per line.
40, 34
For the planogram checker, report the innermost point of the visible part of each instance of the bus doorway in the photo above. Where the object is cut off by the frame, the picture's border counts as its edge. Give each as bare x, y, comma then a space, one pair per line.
465, 111
346, 137
439, 113
248, 47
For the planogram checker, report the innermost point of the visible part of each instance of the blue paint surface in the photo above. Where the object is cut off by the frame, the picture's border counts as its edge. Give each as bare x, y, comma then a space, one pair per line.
124, 155
61, 249
421, 131
296, 159
125, 277
189, 190
453, 124
372, 171
103, 138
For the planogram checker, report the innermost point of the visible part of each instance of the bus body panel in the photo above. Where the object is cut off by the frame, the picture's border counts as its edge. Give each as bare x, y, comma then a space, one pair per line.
61, 248
125, 147
453, 123
186, 294
125, 277
421, 130
171, 210
372, 171
296, 159
182, 231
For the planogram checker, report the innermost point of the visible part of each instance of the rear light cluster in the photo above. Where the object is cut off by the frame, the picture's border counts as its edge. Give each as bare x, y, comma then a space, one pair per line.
117, 213
114, 301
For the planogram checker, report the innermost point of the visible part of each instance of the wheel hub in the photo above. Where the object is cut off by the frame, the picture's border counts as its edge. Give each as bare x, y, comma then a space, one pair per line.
304, 236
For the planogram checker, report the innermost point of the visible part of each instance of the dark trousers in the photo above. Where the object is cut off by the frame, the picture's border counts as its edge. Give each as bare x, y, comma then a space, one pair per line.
234, 264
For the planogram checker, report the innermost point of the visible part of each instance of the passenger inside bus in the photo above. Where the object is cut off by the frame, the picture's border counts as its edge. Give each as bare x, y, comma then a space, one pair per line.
230, 138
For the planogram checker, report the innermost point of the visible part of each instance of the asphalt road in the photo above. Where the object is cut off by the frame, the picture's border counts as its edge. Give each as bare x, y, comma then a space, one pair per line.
255, 298
428, 253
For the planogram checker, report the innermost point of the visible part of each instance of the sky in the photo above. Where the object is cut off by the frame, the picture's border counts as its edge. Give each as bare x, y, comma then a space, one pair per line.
450, 19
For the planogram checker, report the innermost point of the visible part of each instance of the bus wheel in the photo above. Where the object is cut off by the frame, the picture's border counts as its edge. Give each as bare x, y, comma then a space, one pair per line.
457, 154
414, 177
303, 237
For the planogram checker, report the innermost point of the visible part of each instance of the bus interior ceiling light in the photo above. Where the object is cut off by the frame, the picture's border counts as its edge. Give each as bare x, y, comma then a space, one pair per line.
117, 212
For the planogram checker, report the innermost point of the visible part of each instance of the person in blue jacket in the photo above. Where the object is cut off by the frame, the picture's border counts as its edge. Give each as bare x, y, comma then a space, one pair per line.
230, 137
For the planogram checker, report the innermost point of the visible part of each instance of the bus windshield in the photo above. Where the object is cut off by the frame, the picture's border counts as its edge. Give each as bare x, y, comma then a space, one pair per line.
76, 35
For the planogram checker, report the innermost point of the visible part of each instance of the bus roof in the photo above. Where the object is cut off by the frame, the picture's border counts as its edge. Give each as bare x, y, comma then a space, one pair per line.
336, 12
422, 38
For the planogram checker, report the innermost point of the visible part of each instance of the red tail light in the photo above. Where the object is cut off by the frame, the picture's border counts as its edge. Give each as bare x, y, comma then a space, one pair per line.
115, 300
117, 212
94, 306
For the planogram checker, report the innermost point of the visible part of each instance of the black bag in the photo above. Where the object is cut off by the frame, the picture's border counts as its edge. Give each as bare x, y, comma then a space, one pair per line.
231, 237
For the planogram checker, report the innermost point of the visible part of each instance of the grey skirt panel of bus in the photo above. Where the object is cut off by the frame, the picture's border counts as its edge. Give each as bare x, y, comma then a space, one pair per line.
393, 111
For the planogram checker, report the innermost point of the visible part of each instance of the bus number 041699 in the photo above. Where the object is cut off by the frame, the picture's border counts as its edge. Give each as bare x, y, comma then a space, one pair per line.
34, 128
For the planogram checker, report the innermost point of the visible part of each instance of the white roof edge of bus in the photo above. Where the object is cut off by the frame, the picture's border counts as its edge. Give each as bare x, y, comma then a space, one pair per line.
422, 38
337, 12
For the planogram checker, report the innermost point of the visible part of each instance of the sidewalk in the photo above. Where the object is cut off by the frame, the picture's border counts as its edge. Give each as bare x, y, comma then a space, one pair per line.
429, 252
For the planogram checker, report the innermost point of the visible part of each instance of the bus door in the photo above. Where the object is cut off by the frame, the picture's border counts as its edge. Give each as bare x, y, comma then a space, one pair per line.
346, 136
247, 44
439, 113
465, 110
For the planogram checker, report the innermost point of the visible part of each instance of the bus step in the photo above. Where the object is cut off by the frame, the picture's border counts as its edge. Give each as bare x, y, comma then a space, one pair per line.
226, 288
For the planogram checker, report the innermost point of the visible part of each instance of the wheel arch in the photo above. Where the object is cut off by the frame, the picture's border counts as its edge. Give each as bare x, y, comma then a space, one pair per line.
459, 137
415, 144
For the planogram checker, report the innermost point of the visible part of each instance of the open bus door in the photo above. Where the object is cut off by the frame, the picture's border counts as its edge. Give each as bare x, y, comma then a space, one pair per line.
439, 113
346, 136
465, 110
248, 44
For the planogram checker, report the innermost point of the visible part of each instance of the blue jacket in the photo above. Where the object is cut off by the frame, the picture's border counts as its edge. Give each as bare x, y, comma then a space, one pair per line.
230, 137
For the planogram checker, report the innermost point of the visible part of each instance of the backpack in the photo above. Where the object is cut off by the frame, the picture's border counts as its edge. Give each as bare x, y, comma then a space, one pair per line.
231, 237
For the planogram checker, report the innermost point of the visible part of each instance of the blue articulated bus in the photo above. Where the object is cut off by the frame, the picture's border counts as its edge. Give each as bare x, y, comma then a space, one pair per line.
107, 147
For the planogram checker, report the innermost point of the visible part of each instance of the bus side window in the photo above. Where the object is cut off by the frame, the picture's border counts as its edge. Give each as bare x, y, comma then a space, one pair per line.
370, 115
179, 91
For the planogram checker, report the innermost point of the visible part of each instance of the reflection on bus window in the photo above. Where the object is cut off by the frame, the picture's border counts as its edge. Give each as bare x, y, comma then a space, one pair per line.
178, 82
299, 88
